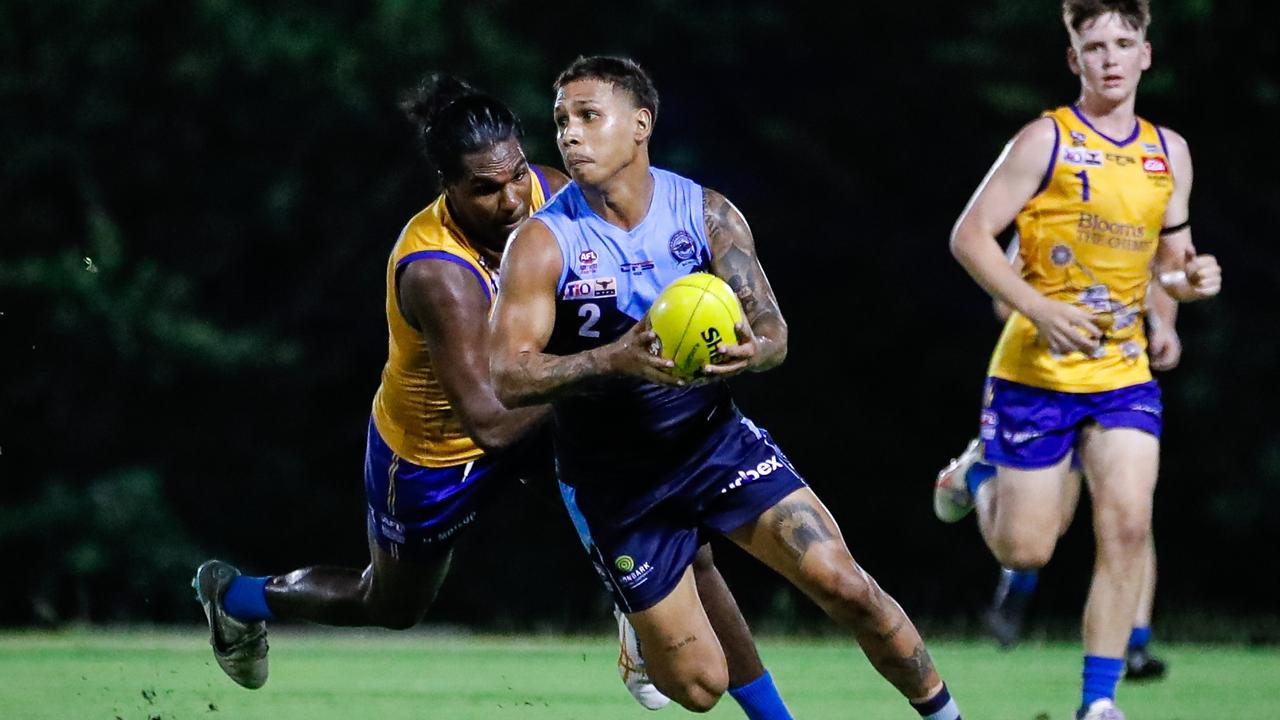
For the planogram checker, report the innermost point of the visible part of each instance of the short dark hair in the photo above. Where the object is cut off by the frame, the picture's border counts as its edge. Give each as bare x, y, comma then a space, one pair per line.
620, 72
1135, 13
454, 119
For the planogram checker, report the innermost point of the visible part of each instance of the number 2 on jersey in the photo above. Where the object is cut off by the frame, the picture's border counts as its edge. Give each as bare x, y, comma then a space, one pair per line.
591, 312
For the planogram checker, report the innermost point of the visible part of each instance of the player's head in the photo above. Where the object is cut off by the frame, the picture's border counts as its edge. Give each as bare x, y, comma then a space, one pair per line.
473, 142
1109, 48
604, 111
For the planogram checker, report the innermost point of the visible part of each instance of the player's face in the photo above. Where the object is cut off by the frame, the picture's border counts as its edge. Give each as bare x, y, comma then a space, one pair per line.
492, 196
598, 128
1109, 56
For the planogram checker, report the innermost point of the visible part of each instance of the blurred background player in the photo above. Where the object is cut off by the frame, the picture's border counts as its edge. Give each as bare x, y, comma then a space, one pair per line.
649, 463
440, 444
1098, 194
1005, 617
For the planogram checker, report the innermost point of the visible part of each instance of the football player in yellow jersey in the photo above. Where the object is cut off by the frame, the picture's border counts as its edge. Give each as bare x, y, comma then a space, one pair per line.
1014, 589
439, 443
1097, 194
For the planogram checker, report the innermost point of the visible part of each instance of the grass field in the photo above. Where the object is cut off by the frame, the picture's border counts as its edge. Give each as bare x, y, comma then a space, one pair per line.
170, 675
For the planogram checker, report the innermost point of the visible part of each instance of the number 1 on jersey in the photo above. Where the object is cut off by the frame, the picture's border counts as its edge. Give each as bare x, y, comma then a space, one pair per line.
1084, 188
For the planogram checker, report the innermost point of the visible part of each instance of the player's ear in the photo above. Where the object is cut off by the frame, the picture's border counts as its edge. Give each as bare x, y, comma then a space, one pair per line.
1073, 60
1146, 55
644, 124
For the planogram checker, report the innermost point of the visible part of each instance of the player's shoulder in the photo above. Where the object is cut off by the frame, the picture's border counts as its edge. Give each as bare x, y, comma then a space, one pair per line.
556, 180
1173, 140
1042, 132
425, 230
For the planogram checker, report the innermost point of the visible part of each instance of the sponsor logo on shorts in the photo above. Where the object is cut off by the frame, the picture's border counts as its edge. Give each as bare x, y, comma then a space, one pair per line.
1017, 438
764, 468
1083, 156
453, 529
987, 425
1155, 165
590, 288
391, 529
625, 563
1143, 407
634, 575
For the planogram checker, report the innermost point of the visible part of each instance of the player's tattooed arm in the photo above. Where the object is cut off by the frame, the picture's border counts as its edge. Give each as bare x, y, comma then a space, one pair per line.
521, 327
733, 258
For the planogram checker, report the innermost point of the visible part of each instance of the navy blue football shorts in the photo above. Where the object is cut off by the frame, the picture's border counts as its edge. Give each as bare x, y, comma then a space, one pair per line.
641, 542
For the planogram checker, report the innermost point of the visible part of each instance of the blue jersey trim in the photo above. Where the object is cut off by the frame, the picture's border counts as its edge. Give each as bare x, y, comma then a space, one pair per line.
448, 257
1163, 144
1137, 128
1053, 157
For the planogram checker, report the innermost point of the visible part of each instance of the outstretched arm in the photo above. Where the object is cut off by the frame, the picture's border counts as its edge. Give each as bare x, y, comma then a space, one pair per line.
763, 336
443, 301
524, 318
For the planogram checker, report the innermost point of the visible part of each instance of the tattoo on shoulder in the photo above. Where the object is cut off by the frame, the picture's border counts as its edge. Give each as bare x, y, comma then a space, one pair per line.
734, 255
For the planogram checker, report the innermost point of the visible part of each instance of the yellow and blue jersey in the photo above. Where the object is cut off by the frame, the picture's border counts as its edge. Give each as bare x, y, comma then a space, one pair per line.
1088, 238
411, 411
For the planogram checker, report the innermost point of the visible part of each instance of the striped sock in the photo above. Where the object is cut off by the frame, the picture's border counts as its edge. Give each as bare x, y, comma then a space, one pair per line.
939, 707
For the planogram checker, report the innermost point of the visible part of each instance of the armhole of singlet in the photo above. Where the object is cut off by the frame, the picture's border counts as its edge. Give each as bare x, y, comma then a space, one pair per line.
447, 257
542, 180
1053, 157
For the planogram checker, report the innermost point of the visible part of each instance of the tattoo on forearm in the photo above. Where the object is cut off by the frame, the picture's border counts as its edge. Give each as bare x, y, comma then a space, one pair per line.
546, 377
799, 527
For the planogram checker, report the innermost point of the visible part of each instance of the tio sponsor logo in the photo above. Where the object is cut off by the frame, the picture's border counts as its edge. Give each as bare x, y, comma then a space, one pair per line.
592, 288
1082, 156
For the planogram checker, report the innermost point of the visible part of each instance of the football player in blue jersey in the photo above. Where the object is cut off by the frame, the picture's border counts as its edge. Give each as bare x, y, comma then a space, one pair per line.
649, 464
455, 444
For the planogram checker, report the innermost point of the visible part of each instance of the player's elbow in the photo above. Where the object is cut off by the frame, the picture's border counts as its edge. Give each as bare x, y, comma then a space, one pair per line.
505, 383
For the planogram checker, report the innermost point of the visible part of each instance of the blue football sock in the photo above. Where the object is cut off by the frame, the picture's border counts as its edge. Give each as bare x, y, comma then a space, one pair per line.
939, 707
1022, 582
1101, 674
978, 473
1140, 638
246, 599
760, 699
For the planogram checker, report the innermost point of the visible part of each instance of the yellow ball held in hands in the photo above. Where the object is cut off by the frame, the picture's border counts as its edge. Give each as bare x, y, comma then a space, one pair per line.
692, 317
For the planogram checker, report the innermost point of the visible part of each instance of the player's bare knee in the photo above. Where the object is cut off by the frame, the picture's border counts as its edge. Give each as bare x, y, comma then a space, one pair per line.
1024, 552
844, 585
699, 691
1127, 532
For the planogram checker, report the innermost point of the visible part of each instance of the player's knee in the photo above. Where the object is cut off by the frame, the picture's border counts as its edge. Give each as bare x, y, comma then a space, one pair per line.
1127, 531
1024, 552
844, 585
701, 690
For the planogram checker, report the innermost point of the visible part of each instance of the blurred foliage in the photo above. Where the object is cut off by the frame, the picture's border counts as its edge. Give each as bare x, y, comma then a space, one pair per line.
198, 199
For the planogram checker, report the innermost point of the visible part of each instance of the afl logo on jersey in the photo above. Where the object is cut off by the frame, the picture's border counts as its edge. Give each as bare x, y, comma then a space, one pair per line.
588, 262
683, 249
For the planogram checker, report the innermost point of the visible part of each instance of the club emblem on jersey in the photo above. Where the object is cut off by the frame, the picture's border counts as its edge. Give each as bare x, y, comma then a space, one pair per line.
1077, 138
683, 249
588, 262
1060, 255
1155, 165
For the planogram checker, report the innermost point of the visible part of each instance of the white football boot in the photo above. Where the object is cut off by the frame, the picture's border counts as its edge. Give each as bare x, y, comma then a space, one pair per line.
631, 667
1102, 709
951, 498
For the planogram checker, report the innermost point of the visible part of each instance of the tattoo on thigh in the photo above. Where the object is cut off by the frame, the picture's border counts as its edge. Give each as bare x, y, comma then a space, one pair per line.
687, 641
799, 527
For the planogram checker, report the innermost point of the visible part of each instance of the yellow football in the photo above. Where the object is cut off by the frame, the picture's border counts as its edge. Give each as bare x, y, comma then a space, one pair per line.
691, 317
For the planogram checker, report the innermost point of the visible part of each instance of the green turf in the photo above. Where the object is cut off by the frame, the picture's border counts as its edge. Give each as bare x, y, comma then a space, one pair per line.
318, 676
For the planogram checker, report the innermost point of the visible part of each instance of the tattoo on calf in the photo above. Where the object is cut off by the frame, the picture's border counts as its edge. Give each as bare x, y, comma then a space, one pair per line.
687, 641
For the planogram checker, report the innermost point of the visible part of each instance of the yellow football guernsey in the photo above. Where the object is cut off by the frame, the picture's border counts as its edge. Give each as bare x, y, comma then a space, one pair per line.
1088, 238
410, 410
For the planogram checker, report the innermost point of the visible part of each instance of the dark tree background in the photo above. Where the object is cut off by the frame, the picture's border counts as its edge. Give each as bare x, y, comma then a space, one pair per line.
197, 200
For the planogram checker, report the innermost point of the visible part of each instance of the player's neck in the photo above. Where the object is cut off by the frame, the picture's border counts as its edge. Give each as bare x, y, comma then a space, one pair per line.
623, 200
1116, 119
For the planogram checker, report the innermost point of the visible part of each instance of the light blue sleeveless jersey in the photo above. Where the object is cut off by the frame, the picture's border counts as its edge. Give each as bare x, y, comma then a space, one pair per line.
609, 279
